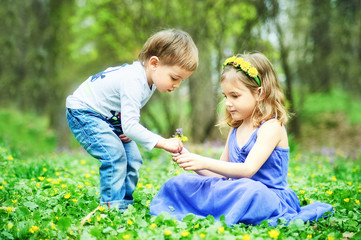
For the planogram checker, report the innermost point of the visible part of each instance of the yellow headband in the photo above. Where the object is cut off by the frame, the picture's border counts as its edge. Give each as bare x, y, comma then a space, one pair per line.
243, 66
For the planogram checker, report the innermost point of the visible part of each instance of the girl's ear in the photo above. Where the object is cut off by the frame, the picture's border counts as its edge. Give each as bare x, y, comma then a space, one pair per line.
153, 62
260, 95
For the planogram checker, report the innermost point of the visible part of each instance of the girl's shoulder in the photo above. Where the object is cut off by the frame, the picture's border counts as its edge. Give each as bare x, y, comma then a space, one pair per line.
276, 130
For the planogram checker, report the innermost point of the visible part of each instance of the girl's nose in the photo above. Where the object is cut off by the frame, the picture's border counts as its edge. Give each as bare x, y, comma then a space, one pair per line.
228, 103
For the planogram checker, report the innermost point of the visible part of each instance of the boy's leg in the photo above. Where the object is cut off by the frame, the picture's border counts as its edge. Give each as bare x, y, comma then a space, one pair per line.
134, 163
99, 140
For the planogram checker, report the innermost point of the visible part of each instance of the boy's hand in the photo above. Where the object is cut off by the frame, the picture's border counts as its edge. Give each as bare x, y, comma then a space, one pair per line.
173, 145
124, 138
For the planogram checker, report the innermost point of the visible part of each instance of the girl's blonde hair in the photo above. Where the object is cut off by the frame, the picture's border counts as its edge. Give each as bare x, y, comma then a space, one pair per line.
272, 102
172, 47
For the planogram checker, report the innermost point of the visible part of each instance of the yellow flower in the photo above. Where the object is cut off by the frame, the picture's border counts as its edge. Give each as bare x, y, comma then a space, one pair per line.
245, 66
334, 178
48, 179
184, 139
87, 183
9, 209
67, 196
80, 186
44, 169
101, 208
273, 233
329, 192
33, 229
87, 175
237, 62
10, 157
302, 191
246, 237
139, 185
252, 72
185, 233
126, 236
346, 199
63, 185
1, 187
167, 232
309, 236
99, 218
53, 226
153, 225
57, 173
357, 201
4, 183
229, 60
221, 229
202, 235
196, 226
75, 200
10, 225
14, 201
330, 238
130, 222
349, 183
82, 161
149, 186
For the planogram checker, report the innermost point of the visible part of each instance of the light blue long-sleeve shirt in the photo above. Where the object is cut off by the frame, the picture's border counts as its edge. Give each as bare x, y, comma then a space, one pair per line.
123, 89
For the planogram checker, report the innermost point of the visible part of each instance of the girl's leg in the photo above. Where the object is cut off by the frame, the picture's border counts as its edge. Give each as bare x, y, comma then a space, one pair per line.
99, 140
134, 163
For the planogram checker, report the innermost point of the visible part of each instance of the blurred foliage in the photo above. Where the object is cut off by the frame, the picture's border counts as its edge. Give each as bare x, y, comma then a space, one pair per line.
26, 134
50, 47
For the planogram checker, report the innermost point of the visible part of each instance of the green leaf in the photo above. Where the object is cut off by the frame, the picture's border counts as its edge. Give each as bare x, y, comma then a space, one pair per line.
64, 223
31, 205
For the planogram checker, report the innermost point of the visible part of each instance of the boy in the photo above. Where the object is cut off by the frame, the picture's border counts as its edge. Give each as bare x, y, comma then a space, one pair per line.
104, 112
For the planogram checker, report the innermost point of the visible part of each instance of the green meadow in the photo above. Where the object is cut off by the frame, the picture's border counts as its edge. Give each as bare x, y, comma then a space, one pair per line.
45, 194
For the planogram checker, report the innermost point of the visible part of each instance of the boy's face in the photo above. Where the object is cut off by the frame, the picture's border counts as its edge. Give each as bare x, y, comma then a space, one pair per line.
165, 78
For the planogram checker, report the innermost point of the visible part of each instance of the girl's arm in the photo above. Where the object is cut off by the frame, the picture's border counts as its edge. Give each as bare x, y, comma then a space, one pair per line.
206, 172
268, 137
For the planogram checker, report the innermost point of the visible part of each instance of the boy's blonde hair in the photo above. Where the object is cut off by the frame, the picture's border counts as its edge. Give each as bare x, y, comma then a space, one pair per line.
172, 47
272, 103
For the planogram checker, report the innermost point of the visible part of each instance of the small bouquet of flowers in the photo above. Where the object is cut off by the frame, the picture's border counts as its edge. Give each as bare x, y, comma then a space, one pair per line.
178, 134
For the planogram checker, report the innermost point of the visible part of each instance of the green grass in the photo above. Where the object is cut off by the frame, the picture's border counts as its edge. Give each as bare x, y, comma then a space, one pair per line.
51, 197
56, 196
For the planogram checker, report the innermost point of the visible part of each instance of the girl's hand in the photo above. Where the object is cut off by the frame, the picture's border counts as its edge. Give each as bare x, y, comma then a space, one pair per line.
174, 155
190, 161
124, 138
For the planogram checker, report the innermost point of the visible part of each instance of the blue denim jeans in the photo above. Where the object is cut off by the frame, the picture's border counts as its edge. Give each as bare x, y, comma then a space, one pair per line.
120, 162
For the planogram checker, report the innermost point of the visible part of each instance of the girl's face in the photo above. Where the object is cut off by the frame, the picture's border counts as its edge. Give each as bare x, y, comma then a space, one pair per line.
165, 78
240, 101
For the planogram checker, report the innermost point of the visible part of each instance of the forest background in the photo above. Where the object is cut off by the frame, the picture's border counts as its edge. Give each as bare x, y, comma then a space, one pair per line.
49, 47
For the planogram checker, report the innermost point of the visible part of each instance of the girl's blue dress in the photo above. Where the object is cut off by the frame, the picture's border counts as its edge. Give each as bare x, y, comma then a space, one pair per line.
265, 196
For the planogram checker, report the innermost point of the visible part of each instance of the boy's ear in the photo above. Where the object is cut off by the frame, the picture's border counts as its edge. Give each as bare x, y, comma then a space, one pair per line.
153, 62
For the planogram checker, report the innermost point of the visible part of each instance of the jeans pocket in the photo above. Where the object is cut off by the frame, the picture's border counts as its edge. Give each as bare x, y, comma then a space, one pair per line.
78, 131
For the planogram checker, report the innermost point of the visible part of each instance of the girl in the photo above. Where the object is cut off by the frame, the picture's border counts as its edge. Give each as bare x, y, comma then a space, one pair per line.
249, 183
